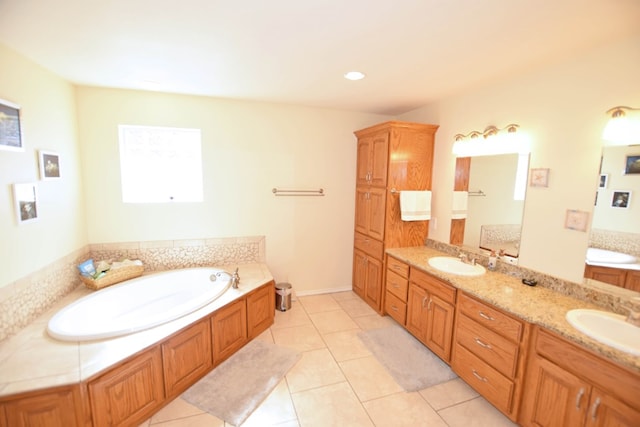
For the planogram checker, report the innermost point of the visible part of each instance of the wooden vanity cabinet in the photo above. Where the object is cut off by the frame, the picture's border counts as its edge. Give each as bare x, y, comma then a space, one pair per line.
391, 157
489, 352
430, 312
129, 393
629, 279
397, 287
567, 385
229, 330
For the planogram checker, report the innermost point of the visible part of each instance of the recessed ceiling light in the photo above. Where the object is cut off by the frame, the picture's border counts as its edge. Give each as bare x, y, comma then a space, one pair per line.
354, 75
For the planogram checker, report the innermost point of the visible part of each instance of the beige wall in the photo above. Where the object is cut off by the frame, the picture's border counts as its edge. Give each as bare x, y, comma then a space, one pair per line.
248, 148
562, 108
49, 123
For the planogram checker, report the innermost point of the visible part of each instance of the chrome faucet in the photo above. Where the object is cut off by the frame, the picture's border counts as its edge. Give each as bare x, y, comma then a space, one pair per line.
633, 307
234, 278
465, 259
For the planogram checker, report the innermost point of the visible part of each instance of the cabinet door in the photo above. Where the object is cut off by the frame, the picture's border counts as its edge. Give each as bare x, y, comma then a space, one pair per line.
379, 159
417, 316
359, 273
362, 210
633, 280
363, 165
260, 309
376, 207
129, 393
186, 357
439, 327
554, 397
606, 411
52, 409
229, 329
373, 287
613, 276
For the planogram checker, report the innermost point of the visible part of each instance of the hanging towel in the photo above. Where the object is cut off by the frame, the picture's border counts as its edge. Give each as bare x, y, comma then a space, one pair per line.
415, 205
459, 210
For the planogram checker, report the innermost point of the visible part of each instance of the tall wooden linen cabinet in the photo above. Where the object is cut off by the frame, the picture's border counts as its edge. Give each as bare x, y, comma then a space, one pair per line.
392, 156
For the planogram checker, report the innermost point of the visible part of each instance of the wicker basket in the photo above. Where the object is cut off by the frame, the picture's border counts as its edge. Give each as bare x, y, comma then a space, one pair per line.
113, 276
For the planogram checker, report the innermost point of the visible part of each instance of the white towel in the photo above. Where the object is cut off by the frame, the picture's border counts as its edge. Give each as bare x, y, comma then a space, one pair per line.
459, 210
415, 205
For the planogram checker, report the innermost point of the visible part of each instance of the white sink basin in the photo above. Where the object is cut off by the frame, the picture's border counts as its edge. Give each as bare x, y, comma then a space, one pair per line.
453, 265
608, 328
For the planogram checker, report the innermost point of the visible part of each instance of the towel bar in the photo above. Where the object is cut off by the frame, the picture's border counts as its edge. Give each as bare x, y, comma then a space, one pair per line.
279, 192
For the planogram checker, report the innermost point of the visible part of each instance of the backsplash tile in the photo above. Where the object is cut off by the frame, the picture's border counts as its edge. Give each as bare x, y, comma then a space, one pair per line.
25, 299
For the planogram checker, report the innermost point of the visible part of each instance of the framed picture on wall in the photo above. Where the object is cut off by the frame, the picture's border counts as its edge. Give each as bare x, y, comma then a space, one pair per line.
604, 179
539, 177
620, 199
10, 127
49, 165
26, 202
632, 165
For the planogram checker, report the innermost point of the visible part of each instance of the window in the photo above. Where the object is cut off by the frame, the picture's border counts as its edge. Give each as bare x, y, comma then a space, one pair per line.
160, 164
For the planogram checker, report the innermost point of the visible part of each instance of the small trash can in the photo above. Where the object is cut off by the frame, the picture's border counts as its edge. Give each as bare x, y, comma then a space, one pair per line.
283, 296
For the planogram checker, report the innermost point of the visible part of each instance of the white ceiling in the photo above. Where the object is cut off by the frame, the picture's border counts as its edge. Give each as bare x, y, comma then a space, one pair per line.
296, 51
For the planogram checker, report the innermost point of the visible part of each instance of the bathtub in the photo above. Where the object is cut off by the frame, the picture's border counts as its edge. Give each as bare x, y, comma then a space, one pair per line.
138, 304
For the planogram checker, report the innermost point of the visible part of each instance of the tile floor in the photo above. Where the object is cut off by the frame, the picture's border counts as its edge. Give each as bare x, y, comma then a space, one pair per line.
338, 382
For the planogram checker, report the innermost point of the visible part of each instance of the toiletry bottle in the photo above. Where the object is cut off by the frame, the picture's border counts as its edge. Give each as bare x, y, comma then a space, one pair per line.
493, 260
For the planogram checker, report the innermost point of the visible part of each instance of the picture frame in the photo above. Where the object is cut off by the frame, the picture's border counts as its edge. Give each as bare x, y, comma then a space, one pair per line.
632, 165
10, 127
539, 177
621, 199
604, 180
25, 198
49, 165
576, 220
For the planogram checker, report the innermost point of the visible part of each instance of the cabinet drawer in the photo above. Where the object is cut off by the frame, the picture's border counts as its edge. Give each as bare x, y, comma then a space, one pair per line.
494, 349
397, 285
491, 318
368, 245
487, 381
395, 308
397, 267
434, 285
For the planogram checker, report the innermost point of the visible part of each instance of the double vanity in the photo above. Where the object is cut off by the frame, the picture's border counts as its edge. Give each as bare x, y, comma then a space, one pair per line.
513, 343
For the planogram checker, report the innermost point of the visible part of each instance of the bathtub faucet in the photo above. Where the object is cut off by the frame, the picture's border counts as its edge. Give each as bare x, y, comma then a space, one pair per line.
233, 278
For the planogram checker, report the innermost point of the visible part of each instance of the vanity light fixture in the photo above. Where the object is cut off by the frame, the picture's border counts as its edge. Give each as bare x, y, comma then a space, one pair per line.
623, 128
494, 141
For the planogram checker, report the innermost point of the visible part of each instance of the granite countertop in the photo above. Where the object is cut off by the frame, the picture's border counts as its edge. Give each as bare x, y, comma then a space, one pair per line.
32, 360
536, 305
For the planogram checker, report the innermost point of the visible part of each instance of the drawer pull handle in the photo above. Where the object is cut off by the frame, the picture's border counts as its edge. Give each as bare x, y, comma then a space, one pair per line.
424, 301
485, 316
478, 376
594, 409
579, 398
394, 308
429, 306
395, 285
481, 344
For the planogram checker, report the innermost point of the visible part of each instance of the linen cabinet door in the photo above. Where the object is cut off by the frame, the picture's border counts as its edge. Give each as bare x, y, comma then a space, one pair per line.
373, 287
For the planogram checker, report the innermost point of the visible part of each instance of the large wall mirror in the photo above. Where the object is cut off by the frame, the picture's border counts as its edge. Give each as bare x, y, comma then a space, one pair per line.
614, 245
496, 188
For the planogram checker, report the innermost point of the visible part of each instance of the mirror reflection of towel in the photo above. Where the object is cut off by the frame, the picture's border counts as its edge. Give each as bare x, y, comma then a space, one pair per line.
459, 210
415, 205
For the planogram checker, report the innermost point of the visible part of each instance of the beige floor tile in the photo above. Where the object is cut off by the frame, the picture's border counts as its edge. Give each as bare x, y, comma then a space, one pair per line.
369, 379
332, 405
403, 410
343, 296
319, 303
301, 338
178, 408
448, 394
332, 321
276, 409
374, 321
315, 369
265, 336
355, 307
294, 317
346, 345
202, 420
474, 413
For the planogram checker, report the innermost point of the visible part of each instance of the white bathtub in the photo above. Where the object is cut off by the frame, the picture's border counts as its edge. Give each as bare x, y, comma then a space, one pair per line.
137, 304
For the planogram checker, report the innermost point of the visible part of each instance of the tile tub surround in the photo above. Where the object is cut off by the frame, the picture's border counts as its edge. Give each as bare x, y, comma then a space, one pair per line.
25, 299
31, 360
537, 305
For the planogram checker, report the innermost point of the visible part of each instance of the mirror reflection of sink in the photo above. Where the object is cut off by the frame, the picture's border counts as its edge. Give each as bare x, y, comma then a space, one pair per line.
607, 328
453, 265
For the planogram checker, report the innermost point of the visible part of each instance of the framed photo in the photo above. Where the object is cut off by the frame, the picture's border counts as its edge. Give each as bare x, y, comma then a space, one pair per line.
620, 199
604, 179
10, 127
49, 165
539, 177
576, 220
26, 202
632, 165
